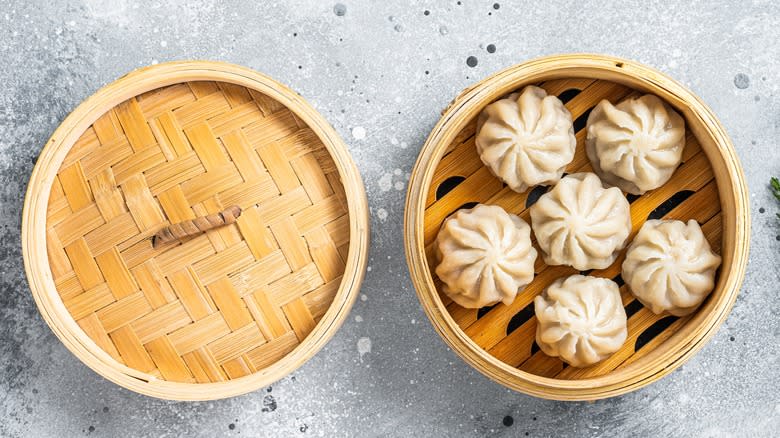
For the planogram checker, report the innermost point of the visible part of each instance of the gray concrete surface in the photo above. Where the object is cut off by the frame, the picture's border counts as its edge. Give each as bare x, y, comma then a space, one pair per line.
380, 72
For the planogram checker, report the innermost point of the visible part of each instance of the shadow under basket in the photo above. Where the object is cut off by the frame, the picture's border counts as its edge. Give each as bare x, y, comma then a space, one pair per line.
223, 312
499, 341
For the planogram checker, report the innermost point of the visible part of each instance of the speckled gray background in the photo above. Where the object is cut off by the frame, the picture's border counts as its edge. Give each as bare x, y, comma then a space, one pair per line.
380, 72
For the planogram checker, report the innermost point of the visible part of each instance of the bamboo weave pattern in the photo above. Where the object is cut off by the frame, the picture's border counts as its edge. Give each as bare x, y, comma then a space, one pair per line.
219, 305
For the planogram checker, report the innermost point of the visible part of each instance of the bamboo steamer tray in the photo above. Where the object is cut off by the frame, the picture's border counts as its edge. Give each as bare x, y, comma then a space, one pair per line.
224, 312
499, 341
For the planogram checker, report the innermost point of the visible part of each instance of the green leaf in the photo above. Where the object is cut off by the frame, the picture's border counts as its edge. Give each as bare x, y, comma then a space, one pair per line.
774, 183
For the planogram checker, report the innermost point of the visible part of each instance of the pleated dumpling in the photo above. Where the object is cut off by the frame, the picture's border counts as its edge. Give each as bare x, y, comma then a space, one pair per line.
526, 139
635, 145
580, 223
485, 256
670, 267
580, 319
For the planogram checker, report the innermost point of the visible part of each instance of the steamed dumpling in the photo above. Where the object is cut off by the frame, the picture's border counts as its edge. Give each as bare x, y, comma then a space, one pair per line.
670, 267
485, 256
526, 138
635, 145
580, 223
580, 319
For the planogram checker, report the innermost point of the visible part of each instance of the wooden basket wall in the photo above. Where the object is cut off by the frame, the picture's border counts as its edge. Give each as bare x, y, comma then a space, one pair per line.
221, 313
500, 340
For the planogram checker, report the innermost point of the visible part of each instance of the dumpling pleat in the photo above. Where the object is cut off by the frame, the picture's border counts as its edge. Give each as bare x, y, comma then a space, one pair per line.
496, 151
589, 351
593, 247
553, 334
661, 158
468, 238
642, 112
530, 107
620, 118
610, 134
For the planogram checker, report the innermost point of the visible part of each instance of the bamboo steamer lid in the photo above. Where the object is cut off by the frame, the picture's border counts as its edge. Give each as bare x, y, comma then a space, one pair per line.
223, 312
499, 341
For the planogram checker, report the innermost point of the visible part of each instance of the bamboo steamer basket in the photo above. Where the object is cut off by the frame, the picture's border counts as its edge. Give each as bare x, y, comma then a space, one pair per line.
499, 341
221, 313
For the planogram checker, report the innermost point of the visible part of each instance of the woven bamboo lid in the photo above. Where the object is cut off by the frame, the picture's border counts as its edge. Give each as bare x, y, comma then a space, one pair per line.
499, 340
223, 312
